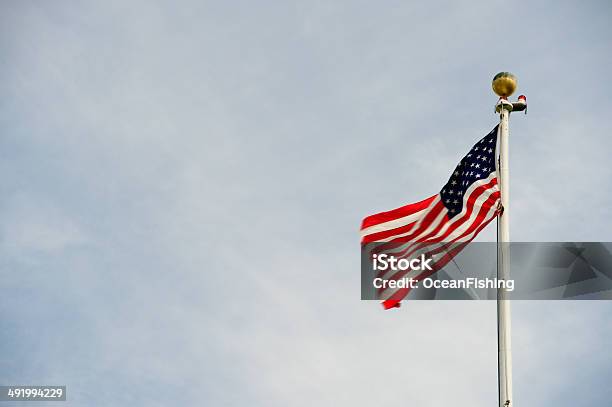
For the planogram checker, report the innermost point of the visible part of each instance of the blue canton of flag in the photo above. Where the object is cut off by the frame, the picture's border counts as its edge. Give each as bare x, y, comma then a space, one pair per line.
478, 164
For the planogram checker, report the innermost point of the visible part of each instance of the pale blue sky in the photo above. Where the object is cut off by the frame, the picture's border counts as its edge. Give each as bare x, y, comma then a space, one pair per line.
183, 184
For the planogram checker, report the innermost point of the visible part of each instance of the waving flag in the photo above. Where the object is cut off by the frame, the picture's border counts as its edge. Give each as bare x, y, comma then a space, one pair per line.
441, 225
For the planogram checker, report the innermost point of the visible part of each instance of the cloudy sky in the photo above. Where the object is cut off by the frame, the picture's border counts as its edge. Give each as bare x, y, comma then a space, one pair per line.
182, 185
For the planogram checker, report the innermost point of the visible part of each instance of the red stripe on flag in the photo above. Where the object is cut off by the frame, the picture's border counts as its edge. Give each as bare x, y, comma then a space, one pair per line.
396, 213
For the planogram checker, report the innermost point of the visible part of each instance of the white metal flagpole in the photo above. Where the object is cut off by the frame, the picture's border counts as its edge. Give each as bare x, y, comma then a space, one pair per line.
504, 85
504, 348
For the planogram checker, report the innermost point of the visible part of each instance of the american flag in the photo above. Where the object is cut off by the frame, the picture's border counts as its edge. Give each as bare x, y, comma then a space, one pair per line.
441, 225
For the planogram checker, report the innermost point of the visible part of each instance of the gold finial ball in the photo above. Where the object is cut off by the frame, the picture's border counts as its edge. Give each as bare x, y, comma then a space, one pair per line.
504, 84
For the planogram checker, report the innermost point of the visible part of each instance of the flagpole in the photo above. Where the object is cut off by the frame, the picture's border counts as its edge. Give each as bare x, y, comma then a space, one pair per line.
504, 349
504, 85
